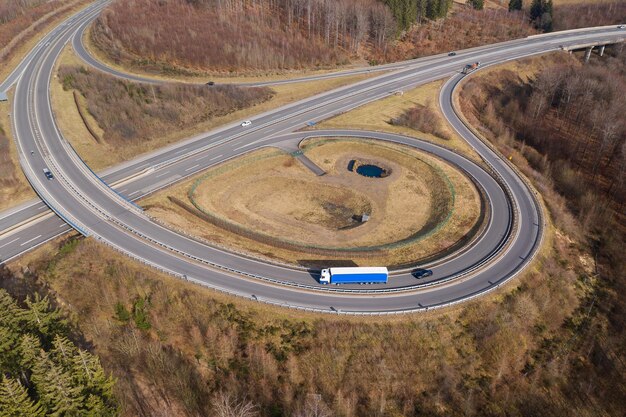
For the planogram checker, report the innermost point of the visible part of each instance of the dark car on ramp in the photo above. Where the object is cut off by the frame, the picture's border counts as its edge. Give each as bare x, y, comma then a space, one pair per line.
422, 273
48, 174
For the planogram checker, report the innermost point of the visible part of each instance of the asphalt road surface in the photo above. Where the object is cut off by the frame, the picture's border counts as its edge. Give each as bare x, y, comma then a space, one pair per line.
85, 201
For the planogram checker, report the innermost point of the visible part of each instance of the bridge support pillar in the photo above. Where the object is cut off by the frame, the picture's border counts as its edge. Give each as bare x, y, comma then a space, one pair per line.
588, 53
602, 50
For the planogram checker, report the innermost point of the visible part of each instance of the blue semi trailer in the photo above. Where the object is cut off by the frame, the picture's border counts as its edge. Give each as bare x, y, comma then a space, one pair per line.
357, 275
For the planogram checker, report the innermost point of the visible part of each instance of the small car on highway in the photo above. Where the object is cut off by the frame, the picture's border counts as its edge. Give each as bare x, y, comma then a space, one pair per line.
47, 173
621, 26
422, 273
451, 53
246, 123
211, 83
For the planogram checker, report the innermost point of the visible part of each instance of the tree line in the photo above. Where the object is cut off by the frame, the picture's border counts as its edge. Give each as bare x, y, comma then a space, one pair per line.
42, 372
409, 12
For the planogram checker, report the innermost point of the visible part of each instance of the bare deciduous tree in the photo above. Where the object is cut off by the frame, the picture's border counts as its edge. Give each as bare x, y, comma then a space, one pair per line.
226, 406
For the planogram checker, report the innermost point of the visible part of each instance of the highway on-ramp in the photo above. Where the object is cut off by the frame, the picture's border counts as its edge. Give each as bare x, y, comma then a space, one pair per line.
86, 202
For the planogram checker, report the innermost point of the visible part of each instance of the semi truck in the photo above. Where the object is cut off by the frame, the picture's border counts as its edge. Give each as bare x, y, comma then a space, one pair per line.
354, 275
470, 67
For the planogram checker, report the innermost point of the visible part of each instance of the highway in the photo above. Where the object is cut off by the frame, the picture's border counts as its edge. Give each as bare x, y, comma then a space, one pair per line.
85, 201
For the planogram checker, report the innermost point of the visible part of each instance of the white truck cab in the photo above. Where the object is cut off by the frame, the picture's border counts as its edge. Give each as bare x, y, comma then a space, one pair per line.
325, 276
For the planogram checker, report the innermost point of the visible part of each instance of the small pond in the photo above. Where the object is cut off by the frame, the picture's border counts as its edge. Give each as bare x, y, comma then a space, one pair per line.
372, 171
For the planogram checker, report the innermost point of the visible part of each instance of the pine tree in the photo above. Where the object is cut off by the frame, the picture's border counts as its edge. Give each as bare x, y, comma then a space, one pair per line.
11, 315
9, 354
476, 4
57, 393
43, 319
432, 9
536, 9
515, 5
30, 349
15, 402
63, 352
89, 372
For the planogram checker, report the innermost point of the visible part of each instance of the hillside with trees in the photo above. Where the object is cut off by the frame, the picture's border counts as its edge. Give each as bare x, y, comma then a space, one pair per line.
240, 37
22, 18
565, 128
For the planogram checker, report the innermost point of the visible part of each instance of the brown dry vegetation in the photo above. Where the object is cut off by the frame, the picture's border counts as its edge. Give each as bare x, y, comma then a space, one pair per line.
564, 127
130, 112
578, 15
14, 188
177, 349
424, 119
572, 113
464, 29
11, 9
274, 36
7, 168
238, 36
264, 36
378, 116
20, 19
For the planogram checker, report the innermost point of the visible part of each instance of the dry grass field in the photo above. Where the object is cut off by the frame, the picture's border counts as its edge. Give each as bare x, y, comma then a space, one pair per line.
14, 188
424, 201
379, 116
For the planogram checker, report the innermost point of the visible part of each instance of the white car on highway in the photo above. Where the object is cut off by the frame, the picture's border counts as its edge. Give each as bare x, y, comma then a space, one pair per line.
246, 123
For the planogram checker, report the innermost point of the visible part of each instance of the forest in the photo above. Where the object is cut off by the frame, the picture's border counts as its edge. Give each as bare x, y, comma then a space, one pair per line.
10, 9
573, 114
42, 372
565, 129
191, 37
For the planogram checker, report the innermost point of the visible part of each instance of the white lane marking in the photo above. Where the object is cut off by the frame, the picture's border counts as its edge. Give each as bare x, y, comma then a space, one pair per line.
133, 193
193, 167
42, 207
181, 151
216, 157
121, 191
162, 174
28, 241
242, 146
203, 157
63, 225
8, 243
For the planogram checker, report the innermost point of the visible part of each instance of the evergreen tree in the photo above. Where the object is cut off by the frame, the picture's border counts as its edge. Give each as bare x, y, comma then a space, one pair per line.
476, 4
63, 352
30, 349
43, 319
546, 22
89, 373
536, 9
9, 353
42, 372
515, 5
57, 393
432, 9
11, 315
15, 402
